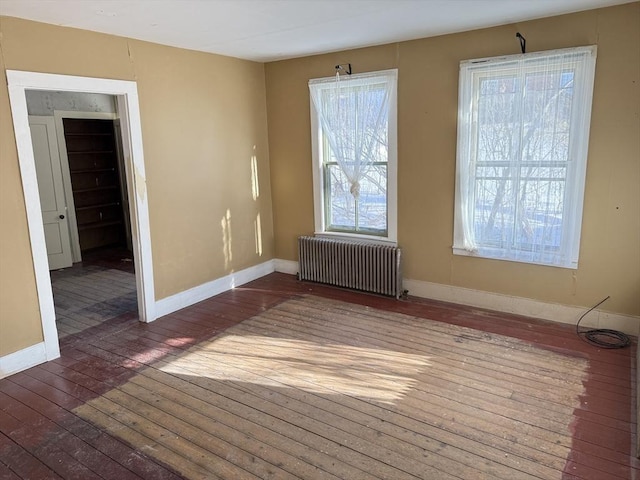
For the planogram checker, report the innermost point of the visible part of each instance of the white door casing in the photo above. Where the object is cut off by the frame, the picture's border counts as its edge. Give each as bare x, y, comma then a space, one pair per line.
129, 112
51, 189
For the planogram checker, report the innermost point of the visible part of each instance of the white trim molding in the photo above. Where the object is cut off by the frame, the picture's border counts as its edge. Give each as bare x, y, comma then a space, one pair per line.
523, 306
507, 304
126, 93
171, 304
286, 266
390, 78
475, 120
23, 359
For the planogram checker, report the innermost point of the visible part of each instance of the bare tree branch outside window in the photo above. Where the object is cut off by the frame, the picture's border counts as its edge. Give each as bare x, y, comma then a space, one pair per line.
522, 153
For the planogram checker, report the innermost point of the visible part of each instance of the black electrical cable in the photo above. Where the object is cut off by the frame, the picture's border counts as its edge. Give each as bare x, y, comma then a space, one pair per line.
602, 337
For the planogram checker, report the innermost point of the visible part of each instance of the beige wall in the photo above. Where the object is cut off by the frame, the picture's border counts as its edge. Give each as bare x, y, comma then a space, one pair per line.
20, 325
203, 120
427, 111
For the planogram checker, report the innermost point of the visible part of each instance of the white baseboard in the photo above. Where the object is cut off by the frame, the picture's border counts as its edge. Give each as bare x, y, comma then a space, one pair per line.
508, 304
36, 354
523, 306
184, 299
286, 266
23, 359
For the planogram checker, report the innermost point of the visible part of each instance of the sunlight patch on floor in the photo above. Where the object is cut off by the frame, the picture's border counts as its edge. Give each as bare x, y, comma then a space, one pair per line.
373, 374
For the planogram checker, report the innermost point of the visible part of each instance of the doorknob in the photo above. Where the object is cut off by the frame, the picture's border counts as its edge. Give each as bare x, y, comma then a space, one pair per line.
61, 217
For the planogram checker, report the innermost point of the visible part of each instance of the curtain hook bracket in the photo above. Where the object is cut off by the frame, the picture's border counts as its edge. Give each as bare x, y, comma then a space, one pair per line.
341, 67
523, 42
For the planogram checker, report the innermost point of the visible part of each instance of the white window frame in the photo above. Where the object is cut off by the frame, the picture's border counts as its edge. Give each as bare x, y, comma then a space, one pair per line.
579, 140
392, 168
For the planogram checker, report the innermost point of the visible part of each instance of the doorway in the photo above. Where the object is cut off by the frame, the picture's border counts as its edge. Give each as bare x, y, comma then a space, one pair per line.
126, 98
83, 195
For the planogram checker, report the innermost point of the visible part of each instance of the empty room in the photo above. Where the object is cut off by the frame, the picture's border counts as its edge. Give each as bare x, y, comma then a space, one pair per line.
319, 239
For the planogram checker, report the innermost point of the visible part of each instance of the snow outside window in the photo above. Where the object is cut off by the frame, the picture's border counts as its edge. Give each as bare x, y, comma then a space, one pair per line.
353, 120
523, 132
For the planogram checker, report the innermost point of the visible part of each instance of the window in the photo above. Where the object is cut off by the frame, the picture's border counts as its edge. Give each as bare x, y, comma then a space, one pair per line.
523, 131
353, 121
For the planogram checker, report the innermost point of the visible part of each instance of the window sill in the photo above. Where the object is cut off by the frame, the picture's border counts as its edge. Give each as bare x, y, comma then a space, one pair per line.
495, 255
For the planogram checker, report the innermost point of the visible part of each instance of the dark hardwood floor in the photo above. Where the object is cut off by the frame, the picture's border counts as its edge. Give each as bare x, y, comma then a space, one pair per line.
288, 389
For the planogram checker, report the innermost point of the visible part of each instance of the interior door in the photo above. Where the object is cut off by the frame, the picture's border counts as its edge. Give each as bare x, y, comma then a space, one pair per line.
51, 189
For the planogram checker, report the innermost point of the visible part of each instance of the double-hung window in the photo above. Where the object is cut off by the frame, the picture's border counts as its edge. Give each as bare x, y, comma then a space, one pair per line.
523, 131
353, 121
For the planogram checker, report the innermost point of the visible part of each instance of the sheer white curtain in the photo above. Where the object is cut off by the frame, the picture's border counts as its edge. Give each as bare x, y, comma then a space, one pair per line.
353, 112
523, 131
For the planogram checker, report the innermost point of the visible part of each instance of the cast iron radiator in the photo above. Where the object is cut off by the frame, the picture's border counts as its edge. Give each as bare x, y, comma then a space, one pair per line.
351, 264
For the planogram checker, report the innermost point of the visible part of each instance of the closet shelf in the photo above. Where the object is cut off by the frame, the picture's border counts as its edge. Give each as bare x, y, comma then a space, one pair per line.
85, 152
94, 225
93, 170
100, 205
95, 182
96, 189
88, 134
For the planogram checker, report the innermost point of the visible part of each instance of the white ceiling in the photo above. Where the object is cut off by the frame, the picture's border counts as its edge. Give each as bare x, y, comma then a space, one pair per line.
267, 30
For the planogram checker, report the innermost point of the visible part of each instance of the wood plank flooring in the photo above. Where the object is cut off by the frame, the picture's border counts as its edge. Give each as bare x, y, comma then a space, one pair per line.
283, 379
101, 287
86, 300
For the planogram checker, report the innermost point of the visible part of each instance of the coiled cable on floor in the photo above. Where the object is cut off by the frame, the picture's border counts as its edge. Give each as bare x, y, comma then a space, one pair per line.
602, 337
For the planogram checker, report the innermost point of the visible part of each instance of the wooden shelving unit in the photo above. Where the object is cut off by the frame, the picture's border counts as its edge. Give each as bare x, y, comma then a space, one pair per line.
93, 165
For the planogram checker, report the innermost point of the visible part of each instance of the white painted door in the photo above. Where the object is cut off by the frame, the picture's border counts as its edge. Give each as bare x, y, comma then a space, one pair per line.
50, 187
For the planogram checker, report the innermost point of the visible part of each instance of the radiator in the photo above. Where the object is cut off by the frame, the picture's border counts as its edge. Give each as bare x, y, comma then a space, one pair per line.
357, 265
